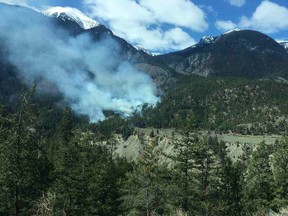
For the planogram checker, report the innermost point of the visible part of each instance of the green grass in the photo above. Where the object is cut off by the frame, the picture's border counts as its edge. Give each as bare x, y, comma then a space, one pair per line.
248, 139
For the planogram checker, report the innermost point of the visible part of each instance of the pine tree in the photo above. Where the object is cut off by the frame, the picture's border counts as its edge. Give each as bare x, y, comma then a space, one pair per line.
280, 173
88, 179
64, 156
184, 174
258, 190
231, 179
73, 171
107, 178
22, 159
66, 126
5, 197
146, 188
207, 167
195, 171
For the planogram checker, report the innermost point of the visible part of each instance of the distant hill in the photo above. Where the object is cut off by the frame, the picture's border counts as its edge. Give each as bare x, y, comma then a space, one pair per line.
246, 53
223, 104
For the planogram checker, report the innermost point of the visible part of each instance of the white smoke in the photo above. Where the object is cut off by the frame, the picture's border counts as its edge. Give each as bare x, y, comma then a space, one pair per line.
88, 74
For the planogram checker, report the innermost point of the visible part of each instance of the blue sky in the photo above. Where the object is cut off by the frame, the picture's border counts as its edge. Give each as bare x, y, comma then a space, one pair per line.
168, 25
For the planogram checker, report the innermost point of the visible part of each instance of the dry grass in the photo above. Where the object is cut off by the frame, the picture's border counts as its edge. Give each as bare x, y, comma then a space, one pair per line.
179, 212
282, 212
45, 205
266, 212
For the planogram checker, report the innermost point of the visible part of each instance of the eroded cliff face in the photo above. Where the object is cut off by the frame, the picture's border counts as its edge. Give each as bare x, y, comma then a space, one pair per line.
158, 74
133, 147
197, 64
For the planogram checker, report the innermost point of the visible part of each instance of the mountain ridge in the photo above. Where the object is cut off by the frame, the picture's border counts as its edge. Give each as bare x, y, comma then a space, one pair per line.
220, 55
244, 53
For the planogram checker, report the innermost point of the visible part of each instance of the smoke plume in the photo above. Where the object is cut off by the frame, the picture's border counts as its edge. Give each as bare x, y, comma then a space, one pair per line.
87, 73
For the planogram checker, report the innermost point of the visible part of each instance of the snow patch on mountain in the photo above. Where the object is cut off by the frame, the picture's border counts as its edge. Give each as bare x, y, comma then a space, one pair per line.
204, 40
141, 48
284, 43
211, 39
207, 39
73, 14
230, 31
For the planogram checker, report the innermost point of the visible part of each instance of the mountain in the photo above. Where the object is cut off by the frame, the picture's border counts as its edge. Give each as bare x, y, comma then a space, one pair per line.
76, 22
241, 53
244, 53
11, 80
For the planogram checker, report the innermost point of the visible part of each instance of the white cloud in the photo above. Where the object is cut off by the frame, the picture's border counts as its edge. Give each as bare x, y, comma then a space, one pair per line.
15, 2
237, 3
176, 38
222, 25
177, 12
268, 17
156, 25
32, 4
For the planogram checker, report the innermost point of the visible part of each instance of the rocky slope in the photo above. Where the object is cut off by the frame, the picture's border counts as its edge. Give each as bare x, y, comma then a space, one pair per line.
244, 53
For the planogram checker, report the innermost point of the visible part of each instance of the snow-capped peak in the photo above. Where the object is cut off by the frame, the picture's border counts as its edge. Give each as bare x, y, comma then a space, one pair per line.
72, 14
233, 30
284, 43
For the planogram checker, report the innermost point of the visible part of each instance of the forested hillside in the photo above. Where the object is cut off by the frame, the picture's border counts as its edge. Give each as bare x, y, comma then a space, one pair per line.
61, 167
221, 104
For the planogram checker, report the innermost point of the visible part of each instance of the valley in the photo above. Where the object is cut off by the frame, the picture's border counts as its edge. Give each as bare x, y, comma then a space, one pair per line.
93, 125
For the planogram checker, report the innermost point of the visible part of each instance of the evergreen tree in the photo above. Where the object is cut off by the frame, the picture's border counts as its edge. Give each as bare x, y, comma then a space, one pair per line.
258, 185
23, 162
88, 179
107, 179
195, 171
280, 173
66, 126
146, 186
196, 175
231, 180
72, 170
184, 176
